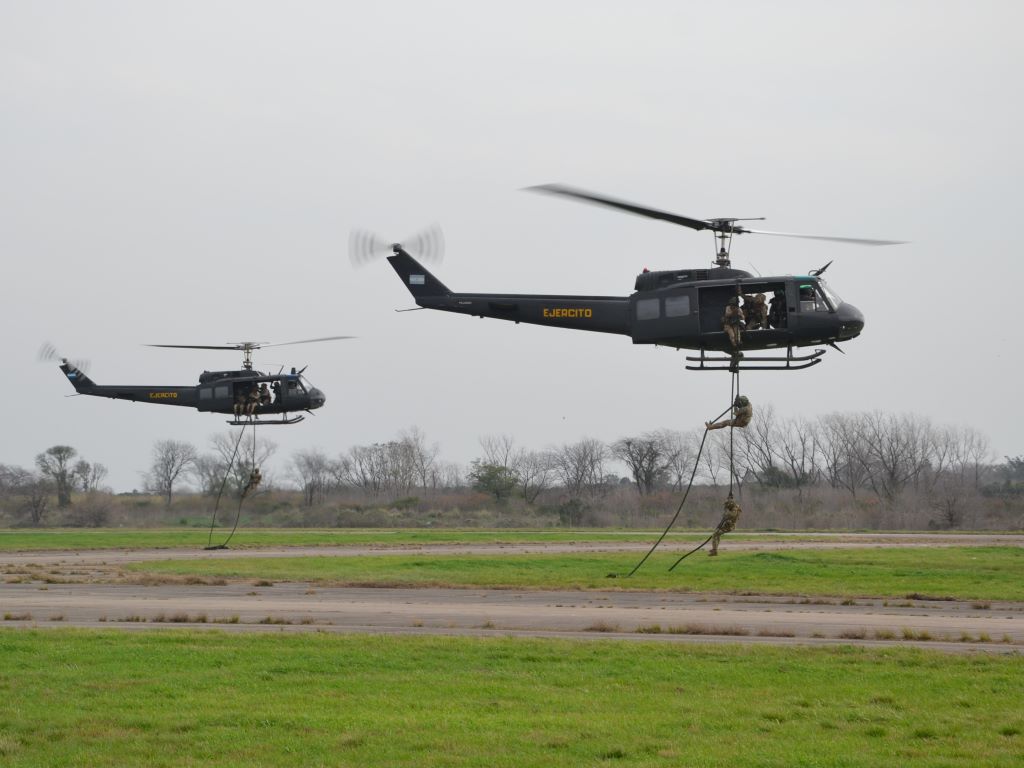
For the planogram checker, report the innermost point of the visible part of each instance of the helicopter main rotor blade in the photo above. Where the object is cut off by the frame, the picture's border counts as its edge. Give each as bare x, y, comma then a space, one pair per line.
309, 341
855, 240
622, 205
196, 346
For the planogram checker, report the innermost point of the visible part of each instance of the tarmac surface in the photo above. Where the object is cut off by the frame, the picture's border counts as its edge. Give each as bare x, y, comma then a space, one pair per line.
90, 589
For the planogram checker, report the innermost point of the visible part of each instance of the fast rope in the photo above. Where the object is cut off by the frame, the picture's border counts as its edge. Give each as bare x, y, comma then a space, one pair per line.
227, 474
733, 394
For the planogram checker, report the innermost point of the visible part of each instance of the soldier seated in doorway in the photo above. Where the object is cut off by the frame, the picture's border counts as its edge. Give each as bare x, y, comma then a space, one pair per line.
733, 322
756, 312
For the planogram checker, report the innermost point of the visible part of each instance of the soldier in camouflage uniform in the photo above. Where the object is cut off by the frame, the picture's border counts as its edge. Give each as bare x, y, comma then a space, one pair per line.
756, 312
255, 478
733, 322
742, 413
727, 524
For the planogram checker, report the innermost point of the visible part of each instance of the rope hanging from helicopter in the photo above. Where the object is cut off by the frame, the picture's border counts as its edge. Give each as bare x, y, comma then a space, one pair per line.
253, 482
734, 392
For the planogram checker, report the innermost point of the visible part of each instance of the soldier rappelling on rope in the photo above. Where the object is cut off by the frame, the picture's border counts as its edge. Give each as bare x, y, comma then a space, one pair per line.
255, 478
742, 413
726, 524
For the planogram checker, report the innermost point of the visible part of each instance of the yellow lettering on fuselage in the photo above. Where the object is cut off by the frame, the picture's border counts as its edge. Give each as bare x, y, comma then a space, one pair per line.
569, 312
162, 395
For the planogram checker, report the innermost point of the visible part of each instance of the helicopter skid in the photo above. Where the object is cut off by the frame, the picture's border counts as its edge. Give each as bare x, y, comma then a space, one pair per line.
790, 362
265, 422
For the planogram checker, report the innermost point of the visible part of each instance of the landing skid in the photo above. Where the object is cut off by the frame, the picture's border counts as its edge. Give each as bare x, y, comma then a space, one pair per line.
250, 421
736, 363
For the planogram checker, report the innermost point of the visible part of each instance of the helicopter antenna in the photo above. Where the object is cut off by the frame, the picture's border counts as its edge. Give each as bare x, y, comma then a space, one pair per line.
723, 228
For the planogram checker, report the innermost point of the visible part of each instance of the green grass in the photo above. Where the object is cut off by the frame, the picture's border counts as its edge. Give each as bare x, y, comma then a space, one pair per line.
193, 538
210, 698
978, 573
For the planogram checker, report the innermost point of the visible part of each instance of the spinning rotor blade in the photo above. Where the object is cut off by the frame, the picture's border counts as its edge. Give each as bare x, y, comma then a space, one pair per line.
427, 245
48, 353
856, 240
364, 247
308, 341
622, 205
243, 346
721, 226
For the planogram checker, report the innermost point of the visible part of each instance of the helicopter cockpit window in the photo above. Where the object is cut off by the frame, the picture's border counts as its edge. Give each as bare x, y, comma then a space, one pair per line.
648, 309
811, 300
830, 295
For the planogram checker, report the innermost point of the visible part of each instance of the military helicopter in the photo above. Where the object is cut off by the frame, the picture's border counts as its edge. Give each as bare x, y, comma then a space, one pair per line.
680, 308
240, 393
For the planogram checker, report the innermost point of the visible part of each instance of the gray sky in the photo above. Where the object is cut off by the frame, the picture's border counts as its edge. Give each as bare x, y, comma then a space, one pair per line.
189, 173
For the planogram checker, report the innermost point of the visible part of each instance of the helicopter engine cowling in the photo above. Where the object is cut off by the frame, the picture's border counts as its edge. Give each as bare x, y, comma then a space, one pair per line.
650, 281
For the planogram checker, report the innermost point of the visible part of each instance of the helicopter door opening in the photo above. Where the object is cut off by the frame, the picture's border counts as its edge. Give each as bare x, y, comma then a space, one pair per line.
713, 301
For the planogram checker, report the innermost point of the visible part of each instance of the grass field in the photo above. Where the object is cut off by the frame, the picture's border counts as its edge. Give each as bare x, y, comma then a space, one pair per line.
193, 538
970, 573
182, 698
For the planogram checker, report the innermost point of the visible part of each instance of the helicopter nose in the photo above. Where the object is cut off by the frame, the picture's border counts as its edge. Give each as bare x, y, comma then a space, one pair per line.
316, 398
851, 322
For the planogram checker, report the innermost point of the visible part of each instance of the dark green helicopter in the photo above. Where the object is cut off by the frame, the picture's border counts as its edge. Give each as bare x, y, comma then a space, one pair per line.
246, 394
681, 308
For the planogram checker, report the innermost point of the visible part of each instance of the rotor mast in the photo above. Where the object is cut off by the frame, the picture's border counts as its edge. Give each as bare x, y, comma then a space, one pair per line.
724, 229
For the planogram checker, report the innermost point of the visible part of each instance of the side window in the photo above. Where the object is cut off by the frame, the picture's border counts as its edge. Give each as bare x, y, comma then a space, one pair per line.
222, 391
206, 393
648, 309
677, 306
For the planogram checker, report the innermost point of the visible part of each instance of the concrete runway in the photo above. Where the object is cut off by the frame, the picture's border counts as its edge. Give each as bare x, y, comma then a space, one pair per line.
89, 589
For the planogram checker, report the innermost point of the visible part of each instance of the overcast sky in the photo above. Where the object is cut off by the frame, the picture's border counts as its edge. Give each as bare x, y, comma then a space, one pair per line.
189, 172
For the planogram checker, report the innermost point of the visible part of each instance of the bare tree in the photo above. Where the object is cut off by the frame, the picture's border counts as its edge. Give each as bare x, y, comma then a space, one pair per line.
683, 452
35, 491
714, 459
894, 451
27, 493
423, 457
839, 437
208, 472
536, 472
797, 450
172, 460
500, 451
88, 476
379, 468
753, 446
55, 463
363, 467
580, 466
648, 458
314, 472
234, 458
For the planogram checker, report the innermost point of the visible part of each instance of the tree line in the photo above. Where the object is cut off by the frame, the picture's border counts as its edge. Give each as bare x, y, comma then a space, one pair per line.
874, 460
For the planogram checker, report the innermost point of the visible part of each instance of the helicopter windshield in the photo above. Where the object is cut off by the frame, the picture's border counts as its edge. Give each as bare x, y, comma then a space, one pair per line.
831, 295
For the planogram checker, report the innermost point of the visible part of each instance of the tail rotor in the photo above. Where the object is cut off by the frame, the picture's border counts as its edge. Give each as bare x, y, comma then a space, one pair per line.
48, 354
365, 247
